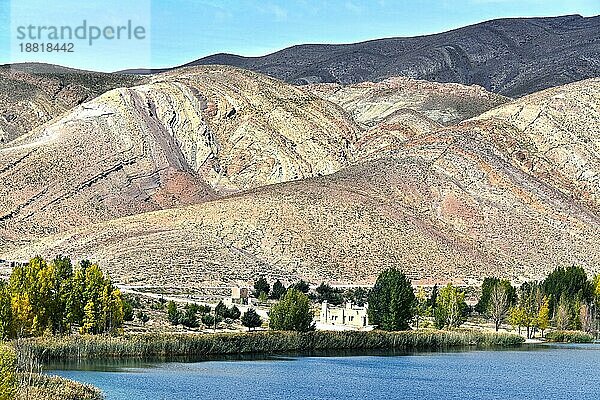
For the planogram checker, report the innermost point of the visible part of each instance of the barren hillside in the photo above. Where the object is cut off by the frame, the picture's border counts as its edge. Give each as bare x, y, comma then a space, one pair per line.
33, 94
454, 204
176, 140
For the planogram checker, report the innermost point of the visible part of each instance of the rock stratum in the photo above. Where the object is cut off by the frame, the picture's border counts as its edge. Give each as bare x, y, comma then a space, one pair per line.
182, 138
33, 94
459, 203
513, 57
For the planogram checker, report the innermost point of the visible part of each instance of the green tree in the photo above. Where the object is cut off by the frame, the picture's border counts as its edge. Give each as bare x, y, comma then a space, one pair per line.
221, 309
173, 314
302, 286
127, 310
142, 317
421, 305
261, 286
327, 293
450, 308
572, 282
483, 306
6, 316
543, 318
251, 320
233, 313
278, 290
391, 301
517, 317
292, 313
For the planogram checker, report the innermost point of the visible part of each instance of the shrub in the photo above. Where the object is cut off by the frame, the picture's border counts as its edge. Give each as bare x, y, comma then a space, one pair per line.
569, 337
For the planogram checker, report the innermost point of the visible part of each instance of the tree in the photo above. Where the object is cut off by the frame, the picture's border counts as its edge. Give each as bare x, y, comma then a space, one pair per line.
391, 301
173, 313
221, 310
278, 290
189, 317
543, 319
262, 298
251, 319
142, 317
327, 293
435, 291
127, 311
498, 304
562, 320
482, 306
233, 313
302, 286
572, 282
6, 316
358, 296
450, 308
421, 305
292, 313
261, 286
517, 317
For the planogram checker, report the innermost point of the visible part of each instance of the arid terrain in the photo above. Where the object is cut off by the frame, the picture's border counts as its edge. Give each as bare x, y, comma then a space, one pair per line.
209, 175
450, 203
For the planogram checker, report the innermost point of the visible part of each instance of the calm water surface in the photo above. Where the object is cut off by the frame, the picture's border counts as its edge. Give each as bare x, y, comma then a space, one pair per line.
534, 372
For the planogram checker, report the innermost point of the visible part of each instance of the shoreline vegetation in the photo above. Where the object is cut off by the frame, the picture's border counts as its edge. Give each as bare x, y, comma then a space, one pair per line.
85, 347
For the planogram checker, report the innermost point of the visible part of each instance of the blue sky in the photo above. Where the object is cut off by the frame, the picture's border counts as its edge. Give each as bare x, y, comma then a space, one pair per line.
179, 31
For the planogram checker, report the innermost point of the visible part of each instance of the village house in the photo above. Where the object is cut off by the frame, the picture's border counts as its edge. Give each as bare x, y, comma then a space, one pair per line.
350, 315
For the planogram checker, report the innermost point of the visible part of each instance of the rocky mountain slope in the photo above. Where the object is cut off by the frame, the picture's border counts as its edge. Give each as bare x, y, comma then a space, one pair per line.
456, 203
182, 138
398, 109
33, 94
513, 56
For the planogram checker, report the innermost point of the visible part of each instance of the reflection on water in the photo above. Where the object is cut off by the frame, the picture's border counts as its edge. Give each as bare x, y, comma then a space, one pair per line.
528, 372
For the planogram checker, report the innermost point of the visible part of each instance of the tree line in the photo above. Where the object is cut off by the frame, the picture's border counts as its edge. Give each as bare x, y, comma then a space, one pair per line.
56, 297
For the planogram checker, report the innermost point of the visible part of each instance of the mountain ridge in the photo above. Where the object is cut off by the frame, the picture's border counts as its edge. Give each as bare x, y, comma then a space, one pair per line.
517, 50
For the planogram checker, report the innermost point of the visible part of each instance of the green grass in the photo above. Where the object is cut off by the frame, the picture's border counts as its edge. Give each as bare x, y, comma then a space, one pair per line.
569, 337
172, 345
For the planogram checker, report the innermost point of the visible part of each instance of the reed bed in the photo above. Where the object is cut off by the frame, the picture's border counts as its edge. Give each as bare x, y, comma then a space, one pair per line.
569, 337
43, 387
173, 345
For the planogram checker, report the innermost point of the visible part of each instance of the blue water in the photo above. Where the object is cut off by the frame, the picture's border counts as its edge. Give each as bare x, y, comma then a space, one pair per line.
535, 372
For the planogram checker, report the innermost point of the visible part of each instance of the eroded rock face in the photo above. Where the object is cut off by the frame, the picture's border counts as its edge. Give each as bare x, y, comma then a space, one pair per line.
553, 135
180, 139
449, 205
33, 94
398, 109
444, 103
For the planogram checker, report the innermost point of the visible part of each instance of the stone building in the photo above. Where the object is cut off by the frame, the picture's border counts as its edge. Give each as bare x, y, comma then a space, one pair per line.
240, 295
349, 315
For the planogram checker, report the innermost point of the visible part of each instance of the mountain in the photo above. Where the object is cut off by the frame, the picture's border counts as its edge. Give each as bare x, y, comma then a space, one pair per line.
399, 108
513, 57
182, 138
33, 94
456, 203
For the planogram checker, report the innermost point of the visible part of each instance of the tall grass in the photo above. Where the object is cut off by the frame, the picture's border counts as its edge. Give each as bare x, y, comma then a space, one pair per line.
172, 345
43, 387
569, 337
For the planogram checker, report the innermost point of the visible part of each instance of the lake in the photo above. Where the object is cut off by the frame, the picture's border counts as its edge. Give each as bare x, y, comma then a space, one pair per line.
531, 372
